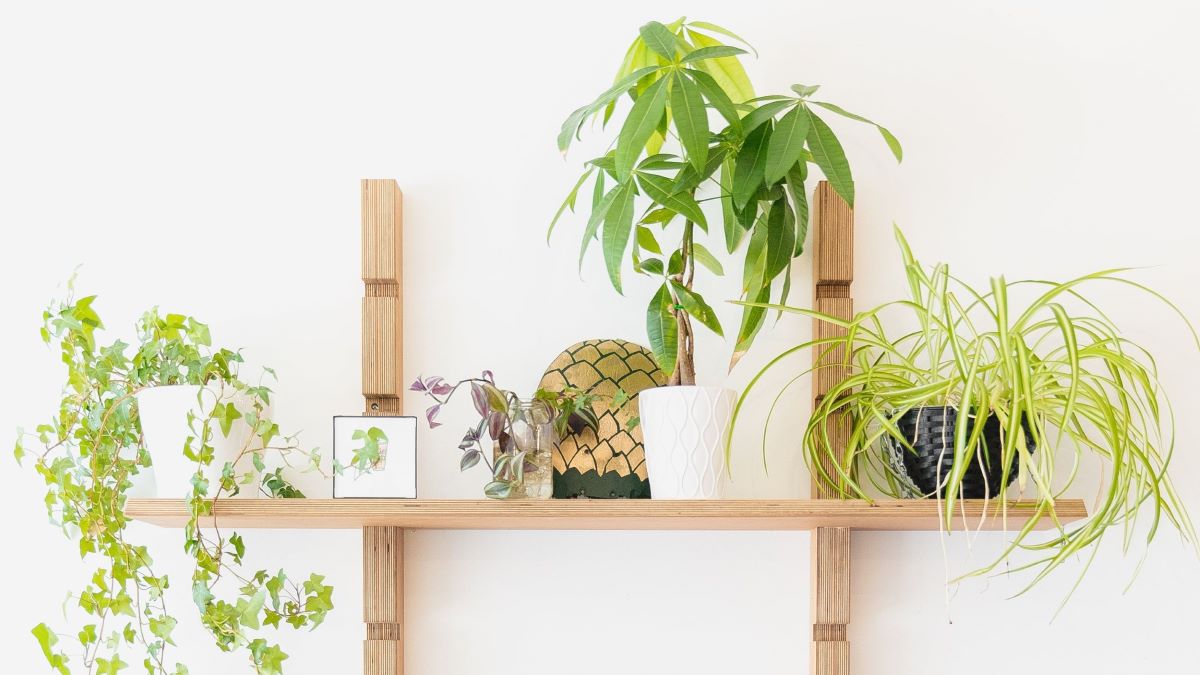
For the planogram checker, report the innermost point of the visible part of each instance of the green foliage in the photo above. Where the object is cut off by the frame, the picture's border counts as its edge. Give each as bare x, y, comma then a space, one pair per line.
89, 453
755, 166
1056, 374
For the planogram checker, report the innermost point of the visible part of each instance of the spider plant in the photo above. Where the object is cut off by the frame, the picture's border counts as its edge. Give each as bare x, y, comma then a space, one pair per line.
1054, 374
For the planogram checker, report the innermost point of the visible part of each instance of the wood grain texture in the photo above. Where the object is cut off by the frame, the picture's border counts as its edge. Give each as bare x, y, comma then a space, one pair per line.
830, 601
383, 600
596, 514
383, 301
833, 272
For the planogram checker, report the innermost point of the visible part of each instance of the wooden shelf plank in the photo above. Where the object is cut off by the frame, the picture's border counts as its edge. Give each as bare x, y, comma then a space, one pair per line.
580, 514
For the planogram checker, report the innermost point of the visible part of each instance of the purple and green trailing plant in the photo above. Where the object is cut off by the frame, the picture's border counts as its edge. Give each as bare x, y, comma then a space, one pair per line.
570, 410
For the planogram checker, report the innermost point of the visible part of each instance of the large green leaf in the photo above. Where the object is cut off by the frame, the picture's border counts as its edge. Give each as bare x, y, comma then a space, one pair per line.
751, 165
643, 118
729, 219
752, 321
659, 189
571, 126
662, 329
569, 202
828, 154
893, 143
618, 223
706, 258
714, 28
695, 305
787, 142
727, 71
599, 210
781, 238
795, 183
712, 53
717, 97
763, 113
754, 267
659, 38
691, 120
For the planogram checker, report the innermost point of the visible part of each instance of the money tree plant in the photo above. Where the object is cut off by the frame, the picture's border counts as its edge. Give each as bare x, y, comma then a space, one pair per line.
89, 453
695, 132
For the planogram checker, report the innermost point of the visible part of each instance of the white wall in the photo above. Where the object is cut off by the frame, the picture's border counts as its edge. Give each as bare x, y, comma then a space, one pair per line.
207, 159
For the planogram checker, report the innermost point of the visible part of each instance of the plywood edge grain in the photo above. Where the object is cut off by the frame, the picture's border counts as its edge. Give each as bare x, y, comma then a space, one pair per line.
631, 514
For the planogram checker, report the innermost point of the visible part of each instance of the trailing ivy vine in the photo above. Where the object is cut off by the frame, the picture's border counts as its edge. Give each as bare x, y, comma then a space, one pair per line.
90, 452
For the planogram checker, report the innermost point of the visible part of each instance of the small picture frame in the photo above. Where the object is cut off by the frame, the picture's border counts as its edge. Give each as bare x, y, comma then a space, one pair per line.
379, 456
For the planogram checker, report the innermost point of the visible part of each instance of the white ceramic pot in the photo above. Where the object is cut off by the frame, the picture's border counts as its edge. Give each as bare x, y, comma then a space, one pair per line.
683, 432
163, 412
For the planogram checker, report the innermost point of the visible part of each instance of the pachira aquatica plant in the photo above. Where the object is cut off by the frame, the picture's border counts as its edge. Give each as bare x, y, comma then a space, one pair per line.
89, 453
751, 155
1038, 361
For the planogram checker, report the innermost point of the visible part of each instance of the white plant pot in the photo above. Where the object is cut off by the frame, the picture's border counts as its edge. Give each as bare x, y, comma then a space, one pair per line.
683, 432
163, 412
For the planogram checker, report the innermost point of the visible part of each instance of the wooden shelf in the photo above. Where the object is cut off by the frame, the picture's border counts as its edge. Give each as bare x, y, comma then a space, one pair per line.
579, 514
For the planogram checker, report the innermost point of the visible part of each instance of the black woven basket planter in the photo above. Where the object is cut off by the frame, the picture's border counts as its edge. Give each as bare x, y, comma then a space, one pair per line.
930, 430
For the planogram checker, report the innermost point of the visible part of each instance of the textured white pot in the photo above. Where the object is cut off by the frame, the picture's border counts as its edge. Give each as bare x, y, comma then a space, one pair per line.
683, 432
163, 412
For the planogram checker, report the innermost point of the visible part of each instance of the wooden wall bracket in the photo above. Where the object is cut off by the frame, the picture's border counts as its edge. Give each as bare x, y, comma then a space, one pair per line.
833, 272
383, 547
383, 387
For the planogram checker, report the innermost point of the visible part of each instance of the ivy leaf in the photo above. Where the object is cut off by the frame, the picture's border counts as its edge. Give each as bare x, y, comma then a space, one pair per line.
662, 329
618, 223
695, 305
659, 38
162, 628
201, 595
751, 165
828, 154
787, 142
691, 120
639, 125
660, 188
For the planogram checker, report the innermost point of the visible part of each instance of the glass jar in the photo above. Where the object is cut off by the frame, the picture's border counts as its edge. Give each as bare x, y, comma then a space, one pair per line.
533, 434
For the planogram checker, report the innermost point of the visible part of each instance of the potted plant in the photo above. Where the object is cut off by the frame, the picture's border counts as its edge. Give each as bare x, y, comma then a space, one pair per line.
984, 391
171, 407
668, 158
513, 437
92, 451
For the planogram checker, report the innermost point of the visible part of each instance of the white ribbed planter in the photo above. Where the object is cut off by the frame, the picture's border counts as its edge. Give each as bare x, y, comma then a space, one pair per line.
683, 432
163, 412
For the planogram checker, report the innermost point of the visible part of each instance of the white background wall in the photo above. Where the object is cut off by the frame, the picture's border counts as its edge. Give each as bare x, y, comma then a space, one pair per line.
206, 159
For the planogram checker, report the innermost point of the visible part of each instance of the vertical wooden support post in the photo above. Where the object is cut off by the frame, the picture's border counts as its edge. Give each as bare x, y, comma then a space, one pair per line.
383, 600
382, 380
833, 272
383, 324
830, 650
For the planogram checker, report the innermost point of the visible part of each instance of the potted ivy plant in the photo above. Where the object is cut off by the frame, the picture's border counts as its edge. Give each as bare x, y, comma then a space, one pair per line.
91, 452
695, 133
983, 391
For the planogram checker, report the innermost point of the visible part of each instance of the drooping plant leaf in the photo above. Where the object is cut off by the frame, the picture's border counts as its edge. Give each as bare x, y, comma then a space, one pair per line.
787, 142
618, 223
645, 115
662, 329
828, 154
691, 120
